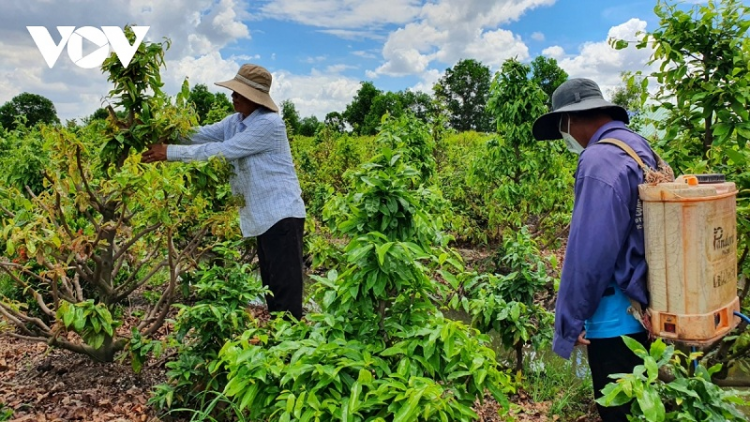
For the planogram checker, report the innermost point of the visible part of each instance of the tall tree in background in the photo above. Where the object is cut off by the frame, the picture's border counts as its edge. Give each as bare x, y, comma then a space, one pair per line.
548, 75
206, 100
308, 126
418, 103
386, 102
35, 108
203, 99
464, 89
335, 121
356, 112
291, 116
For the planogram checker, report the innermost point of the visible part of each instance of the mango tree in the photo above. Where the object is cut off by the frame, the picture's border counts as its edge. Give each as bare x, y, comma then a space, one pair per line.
702, 55
106, 231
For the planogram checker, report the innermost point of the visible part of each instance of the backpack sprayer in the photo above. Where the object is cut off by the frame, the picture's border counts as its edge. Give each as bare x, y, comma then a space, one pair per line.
690, 229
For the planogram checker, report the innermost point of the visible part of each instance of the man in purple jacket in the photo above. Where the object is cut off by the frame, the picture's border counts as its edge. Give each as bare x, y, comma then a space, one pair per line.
605, 265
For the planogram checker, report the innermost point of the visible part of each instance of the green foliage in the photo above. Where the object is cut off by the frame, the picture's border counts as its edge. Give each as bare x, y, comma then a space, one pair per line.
291, 117
703, 76
322, 162
102, 227
356, 112
464, 89
630, 96
526, 272
22, 159
562, 382
455, 153
691, 396
548, 75
92, 321
308, 126
142, 348
521, 181
702, 102
5, 414
32, 107
507, 303
379, 349
335, 121
366, 111
150, 117
208, 106
221, 293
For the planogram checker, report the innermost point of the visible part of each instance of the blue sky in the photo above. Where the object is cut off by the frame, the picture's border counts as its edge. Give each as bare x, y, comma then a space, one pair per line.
320, 50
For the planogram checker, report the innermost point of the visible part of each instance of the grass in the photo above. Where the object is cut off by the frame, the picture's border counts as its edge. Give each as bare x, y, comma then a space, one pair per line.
564, 383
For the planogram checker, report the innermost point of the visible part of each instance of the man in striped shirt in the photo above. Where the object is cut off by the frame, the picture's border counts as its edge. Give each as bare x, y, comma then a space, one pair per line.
254, 140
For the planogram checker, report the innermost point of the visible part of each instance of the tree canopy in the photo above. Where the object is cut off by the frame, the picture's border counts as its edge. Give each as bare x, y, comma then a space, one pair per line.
35, 108
464, 89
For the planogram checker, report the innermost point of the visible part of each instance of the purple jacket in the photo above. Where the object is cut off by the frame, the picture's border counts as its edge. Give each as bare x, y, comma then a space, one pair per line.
606, 235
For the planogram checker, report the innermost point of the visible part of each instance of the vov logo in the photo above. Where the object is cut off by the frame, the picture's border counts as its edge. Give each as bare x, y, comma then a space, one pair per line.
108, 36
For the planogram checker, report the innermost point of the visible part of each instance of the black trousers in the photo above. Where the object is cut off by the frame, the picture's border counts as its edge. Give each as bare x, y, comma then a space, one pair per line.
281, 266
611, 356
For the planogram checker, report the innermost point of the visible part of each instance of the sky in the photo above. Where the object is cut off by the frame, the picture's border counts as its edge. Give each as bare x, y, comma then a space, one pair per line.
319, 51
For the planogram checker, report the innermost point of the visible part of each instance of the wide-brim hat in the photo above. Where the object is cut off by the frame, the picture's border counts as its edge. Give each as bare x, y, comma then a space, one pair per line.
574, 95
254, 83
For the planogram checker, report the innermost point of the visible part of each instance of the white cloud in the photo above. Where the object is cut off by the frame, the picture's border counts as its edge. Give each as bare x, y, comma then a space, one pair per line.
207, 27
343, 13
429, 35
429, 79
338, 68
556, 52
364, 54
315, 94
450, 30
602, 63
349, 34
316, 59
206, 69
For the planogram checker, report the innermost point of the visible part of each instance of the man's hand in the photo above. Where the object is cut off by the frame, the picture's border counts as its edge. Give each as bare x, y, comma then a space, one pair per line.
156, 152
581, 340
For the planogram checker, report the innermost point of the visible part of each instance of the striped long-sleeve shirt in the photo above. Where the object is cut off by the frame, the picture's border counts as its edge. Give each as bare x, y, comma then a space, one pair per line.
264, 173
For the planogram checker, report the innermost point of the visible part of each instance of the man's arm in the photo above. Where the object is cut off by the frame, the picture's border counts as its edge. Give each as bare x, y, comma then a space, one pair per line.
253, 140
205, 134
598, 230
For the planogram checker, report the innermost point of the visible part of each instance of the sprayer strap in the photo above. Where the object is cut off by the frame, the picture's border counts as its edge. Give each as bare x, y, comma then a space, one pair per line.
625, 147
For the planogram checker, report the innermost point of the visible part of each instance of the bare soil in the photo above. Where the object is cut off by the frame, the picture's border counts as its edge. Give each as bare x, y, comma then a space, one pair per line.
40, 383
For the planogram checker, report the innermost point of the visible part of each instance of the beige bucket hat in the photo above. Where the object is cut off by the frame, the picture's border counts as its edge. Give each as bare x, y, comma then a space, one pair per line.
254, 83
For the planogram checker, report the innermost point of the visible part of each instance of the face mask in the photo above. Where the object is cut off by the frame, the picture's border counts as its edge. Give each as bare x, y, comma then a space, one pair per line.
570, 142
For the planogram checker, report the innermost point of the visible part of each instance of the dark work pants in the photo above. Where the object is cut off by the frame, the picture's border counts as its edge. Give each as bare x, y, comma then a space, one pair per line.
611, 356
281, 267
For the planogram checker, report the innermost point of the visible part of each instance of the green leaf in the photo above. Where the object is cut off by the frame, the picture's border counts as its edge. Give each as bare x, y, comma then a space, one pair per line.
621, 44
408, 411
651, 405
736, 157
354, 398
290, 403
635, 346
612, 396
381, 251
